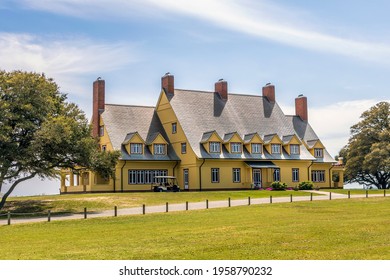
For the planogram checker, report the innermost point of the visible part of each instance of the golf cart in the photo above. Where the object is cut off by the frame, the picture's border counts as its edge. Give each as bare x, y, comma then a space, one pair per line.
165, 184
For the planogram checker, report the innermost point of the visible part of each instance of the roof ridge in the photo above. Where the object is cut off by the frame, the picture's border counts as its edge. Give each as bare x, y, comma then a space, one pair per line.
229, 93
123, 105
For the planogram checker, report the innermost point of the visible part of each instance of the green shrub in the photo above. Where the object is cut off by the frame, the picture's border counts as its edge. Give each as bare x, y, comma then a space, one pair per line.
278, 186
308, 185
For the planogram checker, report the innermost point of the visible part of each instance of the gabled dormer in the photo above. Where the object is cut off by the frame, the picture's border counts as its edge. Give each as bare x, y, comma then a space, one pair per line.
316, 148
212, 142
233, 143
253, 143
157, 144
273, 144
292, 144
134, 144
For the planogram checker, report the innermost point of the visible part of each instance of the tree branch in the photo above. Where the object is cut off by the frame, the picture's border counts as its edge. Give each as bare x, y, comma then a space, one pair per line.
4, 198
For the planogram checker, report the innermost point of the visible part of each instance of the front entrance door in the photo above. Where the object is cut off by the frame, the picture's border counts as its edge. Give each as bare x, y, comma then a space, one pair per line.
257, 177
185, 178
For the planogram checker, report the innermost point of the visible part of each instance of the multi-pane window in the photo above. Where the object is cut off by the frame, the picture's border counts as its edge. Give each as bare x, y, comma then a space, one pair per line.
295, 175
159, 149
275, 148
101, 130
276, 175
174, 128
294, 149
318, 175
235, 147
236, 175
319, 153
183, 148
143, 177
135, 148
214, 175
215, 147
256, 148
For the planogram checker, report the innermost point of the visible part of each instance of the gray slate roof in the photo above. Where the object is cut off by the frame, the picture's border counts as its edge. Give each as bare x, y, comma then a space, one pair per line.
123, 121
199, 112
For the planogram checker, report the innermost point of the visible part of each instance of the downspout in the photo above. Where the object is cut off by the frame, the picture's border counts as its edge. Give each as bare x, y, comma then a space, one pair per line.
173, 173
200, 175
308, 170
122, 175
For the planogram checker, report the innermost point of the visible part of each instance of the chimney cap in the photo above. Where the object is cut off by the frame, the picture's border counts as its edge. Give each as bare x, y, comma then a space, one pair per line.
167, 74
98, 78
301, 95
220, 80
268, 84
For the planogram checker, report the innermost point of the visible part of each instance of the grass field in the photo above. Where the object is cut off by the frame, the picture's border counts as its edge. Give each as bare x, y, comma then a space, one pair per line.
337, 229
75, 203
358, 191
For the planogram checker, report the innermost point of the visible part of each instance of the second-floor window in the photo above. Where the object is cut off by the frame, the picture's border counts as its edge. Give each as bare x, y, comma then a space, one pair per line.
235, 147
275, 148
135, 148
256, 148
294, 149
174, 128
159, 149
183, 148
215, 147
318, 153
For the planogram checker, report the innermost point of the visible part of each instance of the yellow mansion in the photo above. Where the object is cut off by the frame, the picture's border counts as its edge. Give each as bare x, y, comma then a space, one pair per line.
208, 140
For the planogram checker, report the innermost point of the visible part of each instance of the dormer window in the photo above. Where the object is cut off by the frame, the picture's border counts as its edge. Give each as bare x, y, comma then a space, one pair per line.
318, 153
159, 149
235, 147
294, 149
275, 148
135, 148
215, 147
256, 148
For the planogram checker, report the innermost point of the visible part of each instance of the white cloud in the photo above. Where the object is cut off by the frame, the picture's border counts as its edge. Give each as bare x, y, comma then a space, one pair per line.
332, 123
65, 60
262, 19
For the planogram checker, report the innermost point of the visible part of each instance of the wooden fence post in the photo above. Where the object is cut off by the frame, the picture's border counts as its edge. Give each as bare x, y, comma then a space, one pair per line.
186, 205
166, 207
366, 194
349, 194
115, 211
249, 200
229, 202
270, 199
311, 196
207, 204
291, 199
49, 216
143, 209
9, 218
85, 212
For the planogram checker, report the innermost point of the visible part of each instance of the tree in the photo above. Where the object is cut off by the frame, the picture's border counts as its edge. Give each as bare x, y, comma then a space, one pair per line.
41, 133
367, 155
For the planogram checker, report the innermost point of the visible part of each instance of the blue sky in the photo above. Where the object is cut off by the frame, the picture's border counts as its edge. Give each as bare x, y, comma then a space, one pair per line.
337, 53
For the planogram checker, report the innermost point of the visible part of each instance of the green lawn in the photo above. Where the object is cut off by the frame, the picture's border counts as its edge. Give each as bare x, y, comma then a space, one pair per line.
357, 191
94, 202
337, 229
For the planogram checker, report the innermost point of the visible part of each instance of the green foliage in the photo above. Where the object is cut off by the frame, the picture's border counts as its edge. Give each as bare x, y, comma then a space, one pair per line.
307, 185
278, 186
40, 132
367, 155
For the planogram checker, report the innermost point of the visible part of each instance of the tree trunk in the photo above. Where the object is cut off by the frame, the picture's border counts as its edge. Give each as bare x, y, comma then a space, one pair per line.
4, 198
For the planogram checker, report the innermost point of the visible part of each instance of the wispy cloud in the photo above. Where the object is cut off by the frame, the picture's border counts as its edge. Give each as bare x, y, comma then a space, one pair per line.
62, 59
261, 19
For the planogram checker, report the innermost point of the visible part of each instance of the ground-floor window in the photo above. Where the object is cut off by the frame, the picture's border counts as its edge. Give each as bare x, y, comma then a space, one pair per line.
214, 175
143, 177
295, 175
276, 175
236, 175
318, 175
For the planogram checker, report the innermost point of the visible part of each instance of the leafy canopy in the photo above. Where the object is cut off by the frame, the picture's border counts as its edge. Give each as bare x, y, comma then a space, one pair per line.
41, 133
367, 155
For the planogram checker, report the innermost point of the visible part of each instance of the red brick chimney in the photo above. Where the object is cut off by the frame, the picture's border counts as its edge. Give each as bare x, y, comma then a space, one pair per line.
269, 92
301, 107
168, 83
97, 105
222, 88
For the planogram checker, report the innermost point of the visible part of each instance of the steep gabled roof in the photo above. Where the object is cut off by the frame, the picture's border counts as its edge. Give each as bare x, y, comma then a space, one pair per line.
200, 111
123, 121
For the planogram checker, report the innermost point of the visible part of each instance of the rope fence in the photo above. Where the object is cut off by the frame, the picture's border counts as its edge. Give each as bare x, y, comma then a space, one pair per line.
49, 214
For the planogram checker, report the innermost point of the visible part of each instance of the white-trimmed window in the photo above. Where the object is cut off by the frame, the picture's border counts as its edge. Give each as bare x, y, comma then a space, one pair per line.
214, 175
236, 175
256, 148
215, 147
144, 177
276, 175
318, 176
235, 147
135, 148
318, 153
295, 174
174, 128
184, 148
275, 148
294, 149
159, 149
